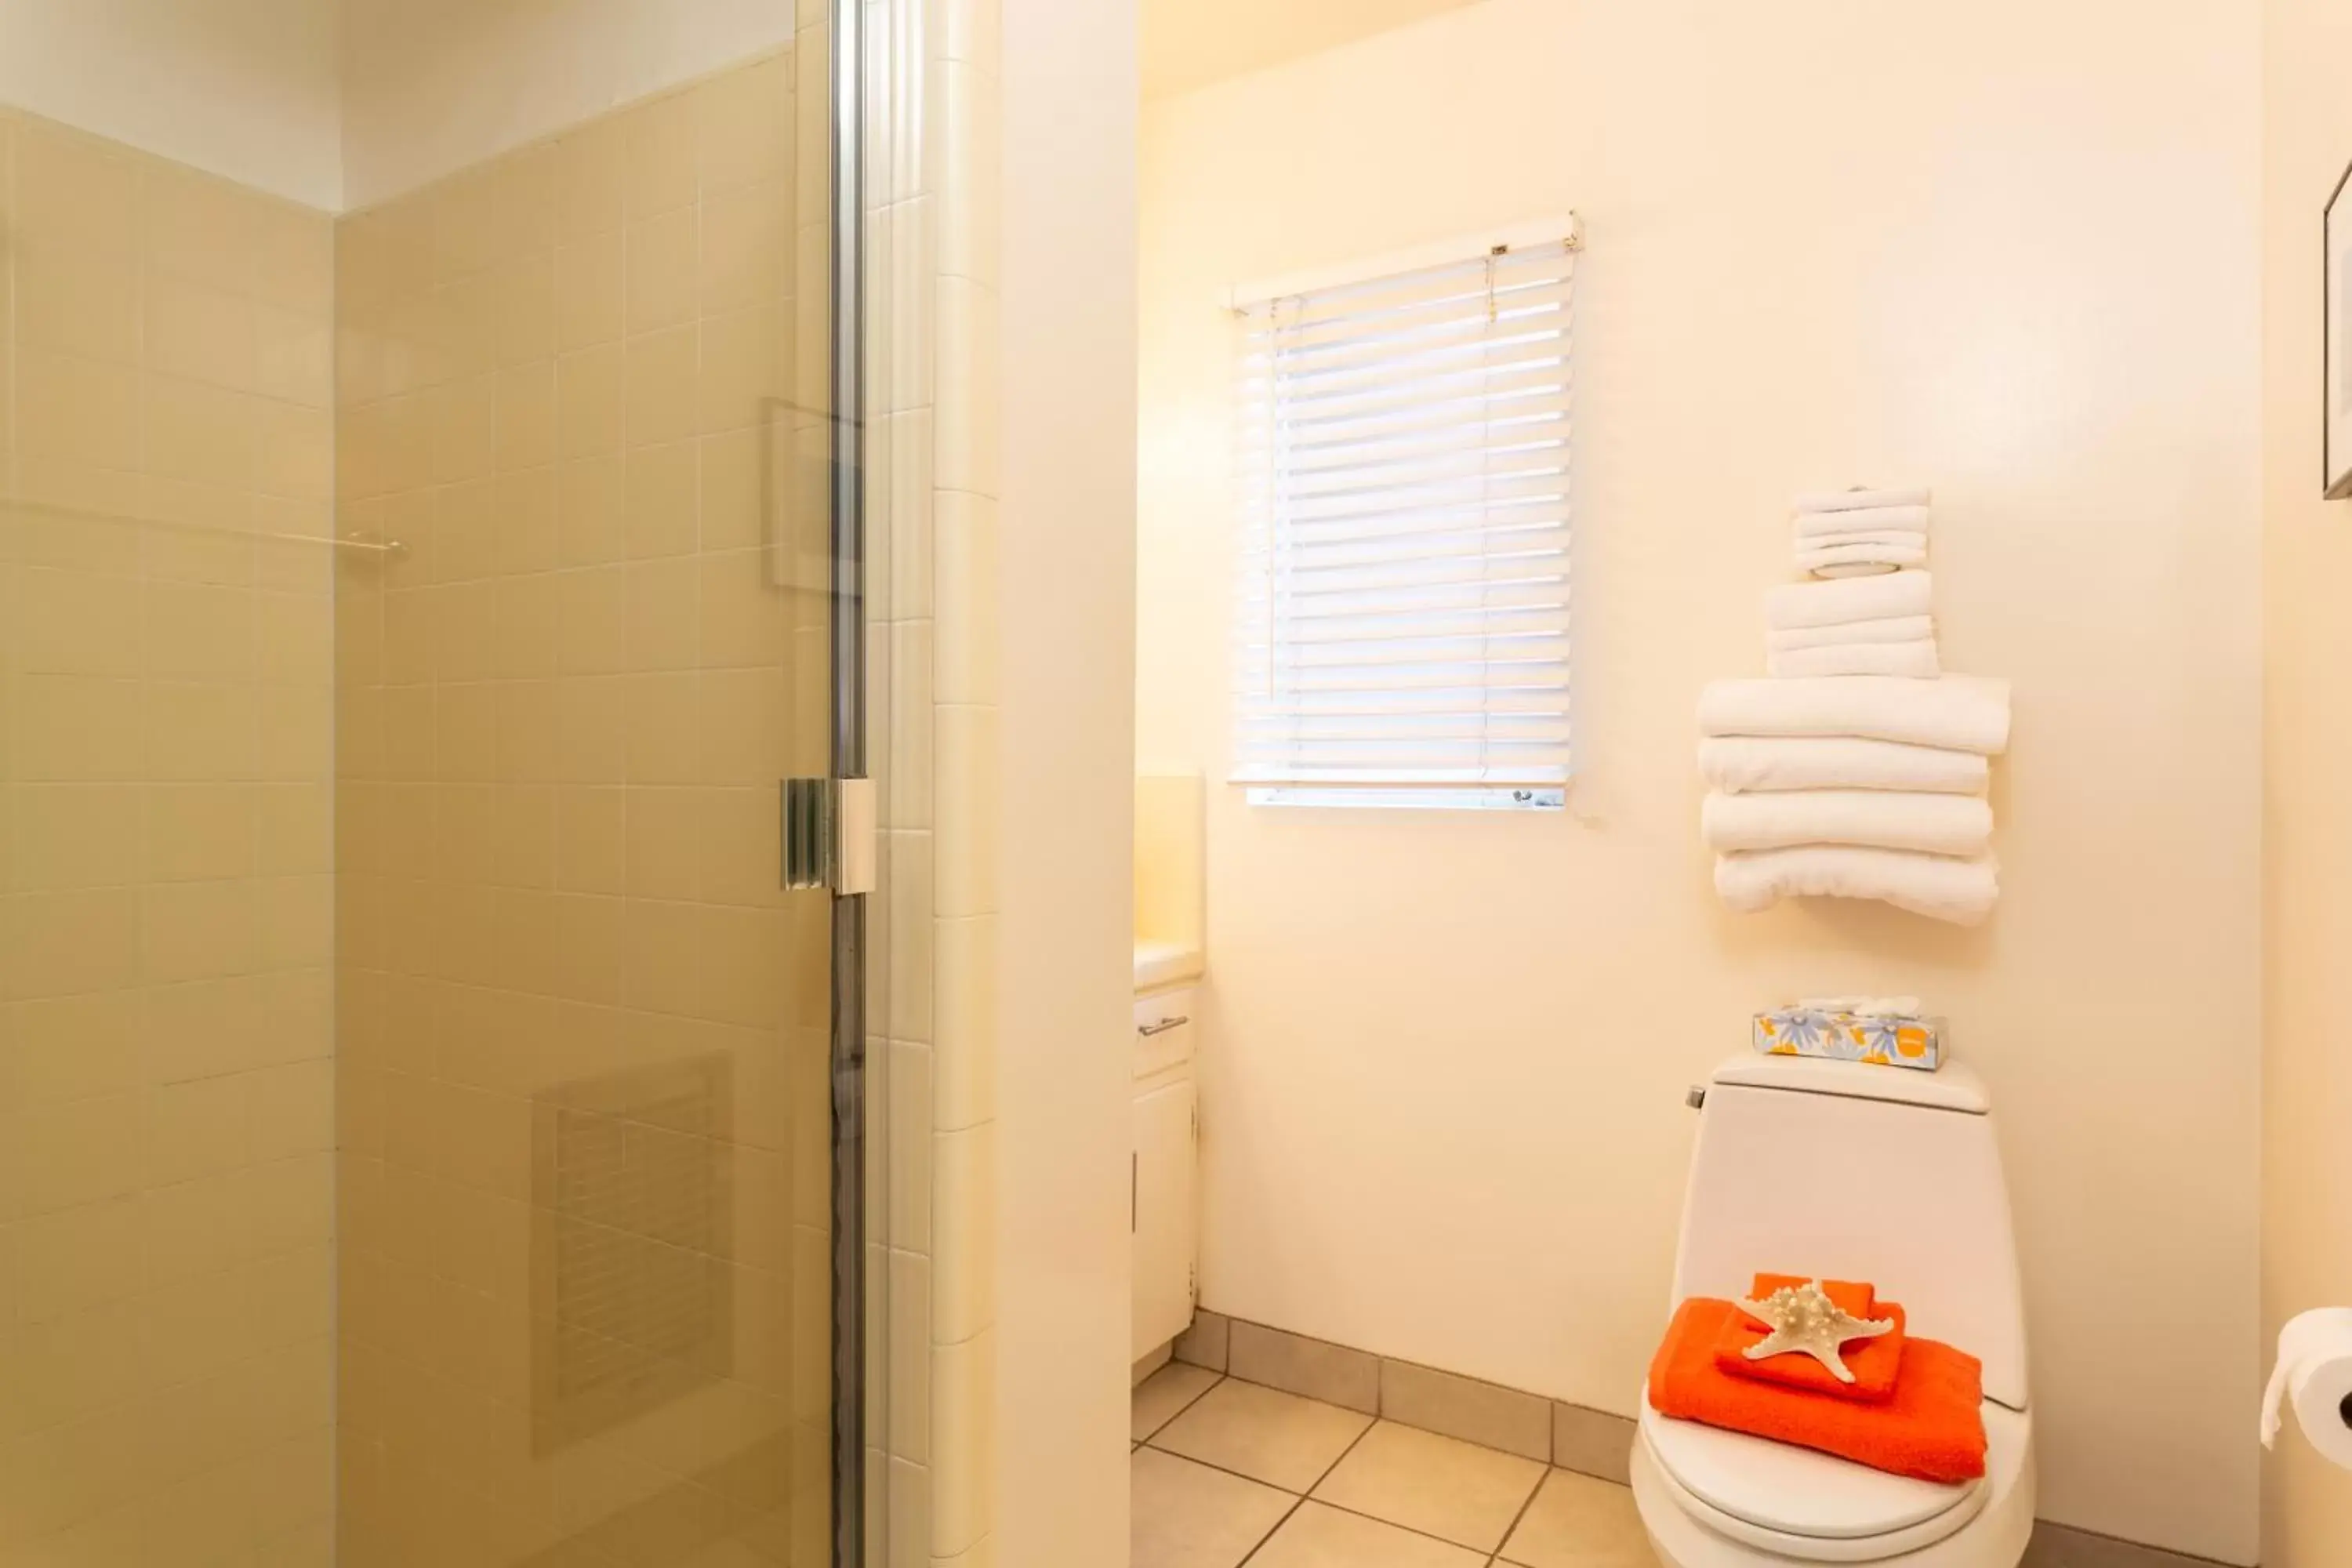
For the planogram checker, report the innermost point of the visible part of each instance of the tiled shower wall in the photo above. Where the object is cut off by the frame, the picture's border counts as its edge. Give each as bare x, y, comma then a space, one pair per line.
166, 640
583, 1034
932, 257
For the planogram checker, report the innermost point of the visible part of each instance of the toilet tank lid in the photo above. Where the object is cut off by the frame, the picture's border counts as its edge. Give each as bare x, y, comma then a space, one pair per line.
1950, 1087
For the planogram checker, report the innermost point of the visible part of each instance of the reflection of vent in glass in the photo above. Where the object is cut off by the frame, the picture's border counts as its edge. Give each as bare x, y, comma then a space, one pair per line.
2344, 335
632, 1220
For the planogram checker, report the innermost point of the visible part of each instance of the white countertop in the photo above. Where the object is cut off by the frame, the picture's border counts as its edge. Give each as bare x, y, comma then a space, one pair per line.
1159, 963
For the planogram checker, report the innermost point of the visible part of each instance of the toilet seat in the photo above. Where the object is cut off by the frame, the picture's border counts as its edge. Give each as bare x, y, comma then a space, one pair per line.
1811, 1507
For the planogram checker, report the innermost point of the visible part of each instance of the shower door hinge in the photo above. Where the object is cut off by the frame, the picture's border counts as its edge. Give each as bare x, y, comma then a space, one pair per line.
828, 832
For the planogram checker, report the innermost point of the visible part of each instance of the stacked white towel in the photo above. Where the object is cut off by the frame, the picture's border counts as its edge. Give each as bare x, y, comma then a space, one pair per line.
1858, 768
1860, 626
1862, 532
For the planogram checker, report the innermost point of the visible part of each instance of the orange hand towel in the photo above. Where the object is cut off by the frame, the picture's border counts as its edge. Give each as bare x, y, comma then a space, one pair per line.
1932, 1427
1874, 1362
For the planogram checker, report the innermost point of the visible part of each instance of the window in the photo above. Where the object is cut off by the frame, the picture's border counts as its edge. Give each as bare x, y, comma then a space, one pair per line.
1403, 614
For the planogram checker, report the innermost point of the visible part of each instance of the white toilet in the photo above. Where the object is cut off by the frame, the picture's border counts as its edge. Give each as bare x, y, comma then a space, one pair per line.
1847, 1172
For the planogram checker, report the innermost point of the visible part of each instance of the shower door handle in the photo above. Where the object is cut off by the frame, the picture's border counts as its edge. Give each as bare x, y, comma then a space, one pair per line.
828, 833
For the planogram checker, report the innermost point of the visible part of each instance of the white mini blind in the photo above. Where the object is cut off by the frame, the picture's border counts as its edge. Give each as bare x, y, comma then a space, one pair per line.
1404, 612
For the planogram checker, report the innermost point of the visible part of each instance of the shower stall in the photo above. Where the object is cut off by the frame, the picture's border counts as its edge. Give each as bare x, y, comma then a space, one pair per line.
466, 813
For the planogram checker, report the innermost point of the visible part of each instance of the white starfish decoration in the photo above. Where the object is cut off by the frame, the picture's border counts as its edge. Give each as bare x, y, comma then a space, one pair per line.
1804, 1319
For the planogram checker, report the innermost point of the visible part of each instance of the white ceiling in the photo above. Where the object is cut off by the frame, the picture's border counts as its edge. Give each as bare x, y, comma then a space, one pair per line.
1188, 44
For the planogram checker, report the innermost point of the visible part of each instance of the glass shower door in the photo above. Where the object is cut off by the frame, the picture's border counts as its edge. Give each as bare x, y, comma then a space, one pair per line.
602, 1178
434, 1116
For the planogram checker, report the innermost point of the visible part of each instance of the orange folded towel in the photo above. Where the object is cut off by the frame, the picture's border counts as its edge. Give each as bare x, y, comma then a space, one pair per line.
1875, 1363
1932, 1427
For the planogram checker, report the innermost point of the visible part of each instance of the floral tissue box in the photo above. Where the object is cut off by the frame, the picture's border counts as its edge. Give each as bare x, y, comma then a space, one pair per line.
1886, 1041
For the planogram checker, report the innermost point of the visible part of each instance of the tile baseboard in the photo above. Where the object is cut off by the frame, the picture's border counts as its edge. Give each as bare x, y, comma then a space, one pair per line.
1315, 1369
2062, 1546
1569, 1436
1204, 1345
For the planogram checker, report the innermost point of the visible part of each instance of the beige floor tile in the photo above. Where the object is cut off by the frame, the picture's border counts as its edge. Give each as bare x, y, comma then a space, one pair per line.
1439, 1486
1261, 1433
1162, 1397
1319, 1537
1579, 1522
1189, 1516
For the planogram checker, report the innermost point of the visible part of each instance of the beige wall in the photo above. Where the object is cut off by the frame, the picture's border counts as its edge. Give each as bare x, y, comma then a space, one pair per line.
166, 649
1982, 248
246, 89
433, 86
1066, 606
2307, 733
1188, 44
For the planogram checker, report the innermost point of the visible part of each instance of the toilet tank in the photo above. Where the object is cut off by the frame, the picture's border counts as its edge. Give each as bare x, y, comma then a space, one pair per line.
1849, 1170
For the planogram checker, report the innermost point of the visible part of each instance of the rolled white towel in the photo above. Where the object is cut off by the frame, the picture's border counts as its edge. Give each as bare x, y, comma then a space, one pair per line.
1741, 764
1892, 628
1873, 818
1858, 499
1841, 560
1964, 713
1937, 886
1913, 660
1908, 536
1792, 605
1862, 519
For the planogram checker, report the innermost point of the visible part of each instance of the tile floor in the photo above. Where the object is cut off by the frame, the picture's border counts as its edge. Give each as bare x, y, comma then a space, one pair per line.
1228, 1473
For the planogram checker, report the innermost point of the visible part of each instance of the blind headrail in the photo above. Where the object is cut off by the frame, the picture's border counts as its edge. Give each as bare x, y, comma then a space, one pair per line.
1568, 230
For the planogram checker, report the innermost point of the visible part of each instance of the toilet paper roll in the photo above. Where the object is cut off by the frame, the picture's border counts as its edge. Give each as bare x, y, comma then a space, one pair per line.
2314, 1375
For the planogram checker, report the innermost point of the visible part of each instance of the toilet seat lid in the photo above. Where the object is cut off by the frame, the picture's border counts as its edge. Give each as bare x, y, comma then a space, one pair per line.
1796, 1491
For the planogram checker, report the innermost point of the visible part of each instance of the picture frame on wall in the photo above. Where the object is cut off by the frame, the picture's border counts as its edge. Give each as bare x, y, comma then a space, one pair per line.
2336, 318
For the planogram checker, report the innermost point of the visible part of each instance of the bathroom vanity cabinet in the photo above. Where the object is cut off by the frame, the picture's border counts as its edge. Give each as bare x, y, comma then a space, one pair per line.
1163, 1171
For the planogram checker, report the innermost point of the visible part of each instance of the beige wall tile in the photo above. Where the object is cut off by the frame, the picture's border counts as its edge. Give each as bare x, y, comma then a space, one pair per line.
77, 410
74, 194
662, 376
963, 1397
963, 1292
526, 416
78, 623
589, 401
744, 125
80, 304
591, 297
965, 769
743, 254
662, 159
661, 499
967, 439
966, 661
198, 832
201, 333
293, 357
208, 434
663, 268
